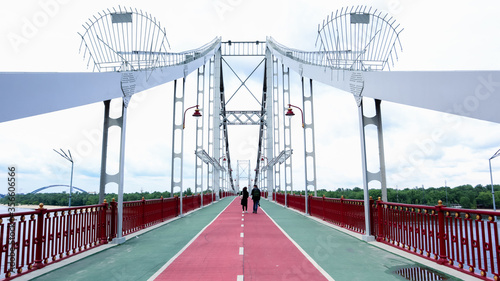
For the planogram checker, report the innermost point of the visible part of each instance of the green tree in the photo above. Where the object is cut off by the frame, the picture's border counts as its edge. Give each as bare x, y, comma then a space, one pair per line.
484, 200
465, 202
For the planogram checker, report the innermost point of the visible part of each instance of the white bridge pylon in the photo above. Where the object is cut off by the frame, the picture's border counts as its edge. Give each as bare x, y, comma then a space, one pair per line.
357, 67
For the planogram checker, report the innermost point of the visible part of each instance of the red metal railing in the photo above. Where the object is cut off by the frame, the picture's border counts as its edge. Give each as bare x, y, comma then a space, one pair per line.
141, 214
44, 236
223, 194
467, 240
207, 198
346, 213
190, 203
279, 198
296, 202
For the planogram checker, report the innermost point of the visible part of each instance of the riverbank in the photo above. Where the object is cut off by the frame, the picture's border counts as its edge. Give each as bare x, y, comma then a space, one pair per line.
32, 207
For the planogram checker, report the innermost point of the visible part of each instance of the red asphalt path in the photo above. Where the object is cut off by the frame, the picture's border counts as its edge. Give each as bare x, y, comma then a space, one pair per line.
267, 253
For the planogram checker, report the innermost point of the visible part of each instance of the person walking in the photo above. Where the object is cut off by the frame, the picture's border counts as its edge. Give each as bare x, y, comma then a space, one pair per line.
255, 198
244, 200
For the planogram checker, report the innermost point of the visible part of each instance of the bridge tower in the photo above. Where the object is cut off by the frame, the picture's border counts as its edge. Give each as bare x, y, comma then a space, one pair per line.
133, 47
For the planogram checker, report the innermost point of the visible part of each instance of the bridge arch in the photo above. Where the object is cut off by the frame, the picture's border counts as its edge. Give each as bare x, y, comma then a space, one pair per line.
56, 185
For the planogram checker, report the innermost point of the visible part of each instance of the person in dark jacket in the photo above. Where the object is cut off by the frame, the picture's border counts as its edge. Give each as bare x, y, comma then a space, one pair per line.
244, 199
255, 198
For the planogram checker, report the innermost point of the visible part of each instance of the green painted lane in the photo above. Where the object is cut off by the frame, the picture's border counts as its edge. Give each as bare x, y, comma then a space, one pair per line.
140, 256
343, 257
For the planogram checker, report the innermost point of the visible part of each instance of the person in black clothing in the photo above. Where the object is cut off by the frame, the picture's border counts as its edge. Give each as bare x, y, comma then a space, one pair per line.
255, 198
244, 199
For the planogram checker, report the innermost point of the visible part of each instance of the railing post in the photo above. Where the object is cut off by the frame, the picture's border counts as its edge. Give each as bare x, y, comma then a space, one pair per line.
441, 235
161, 207
103, 238
380, 234
143, 210
324, 218
39, 240
372, 225
113, 219
342, 214
176, 205
308, 205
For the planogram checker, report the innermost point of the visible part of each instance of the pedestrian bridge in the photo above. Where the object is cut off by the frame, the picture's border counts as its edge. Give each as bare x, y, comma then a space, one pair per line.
327, 238
219, 242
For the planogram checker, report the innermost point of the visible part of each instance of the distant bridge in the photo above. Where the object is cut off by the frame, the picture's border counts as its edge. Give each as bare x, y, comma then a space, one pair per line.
55, 185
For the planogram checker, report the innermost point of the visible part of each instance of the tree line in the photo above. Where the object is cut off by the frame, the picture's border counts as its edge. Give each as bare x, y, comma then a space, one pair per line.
83, 199
466, 196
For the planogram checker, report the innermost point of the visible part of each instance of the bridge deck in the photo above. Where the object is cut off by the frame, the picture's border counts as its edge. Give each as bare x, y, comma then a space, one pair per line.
214, 255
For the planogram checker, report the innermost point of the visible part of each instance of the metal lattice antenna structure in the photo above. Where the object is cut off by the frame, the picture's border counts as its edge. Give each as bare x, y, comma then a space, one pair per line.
125, 40
358, 38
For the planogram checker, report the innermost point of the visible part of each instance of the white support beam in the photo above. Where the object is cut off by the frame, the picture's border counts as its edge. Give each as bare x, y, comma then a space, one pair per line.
269, 121
211, 173
217, 119
287, 131
177, 146
200, 101
276, 122
474, 94
29, 94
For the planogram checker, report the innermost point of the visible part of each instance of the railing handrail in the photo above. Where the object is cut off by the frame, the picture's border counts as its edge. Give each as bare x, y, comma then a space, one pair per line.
58, 233
464, 239
51, 210
339, 199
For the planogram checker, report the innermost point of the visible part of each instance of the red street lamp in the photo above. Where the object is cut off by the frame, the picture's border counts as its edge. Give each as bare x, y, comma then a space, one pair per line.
264, 157
196, 114
290, 113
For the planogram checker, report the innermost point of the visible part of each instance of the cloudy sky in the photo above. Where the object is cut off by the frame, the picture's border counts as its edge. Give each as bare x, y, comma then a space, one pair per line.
41, 36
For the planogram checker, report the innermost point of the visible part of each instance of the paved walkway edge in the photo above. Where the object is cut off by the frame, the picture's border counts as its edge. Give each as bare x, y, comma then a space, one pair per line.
394, 250
93, 251
157, 273
318, 267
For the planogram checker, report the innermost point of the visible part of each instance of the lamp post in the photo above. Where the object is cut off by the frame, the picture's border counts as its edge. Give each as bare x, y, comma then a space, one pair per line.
290, 114
228, 180
70, 159
223, 164
263, 171
491, 178
196, 114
